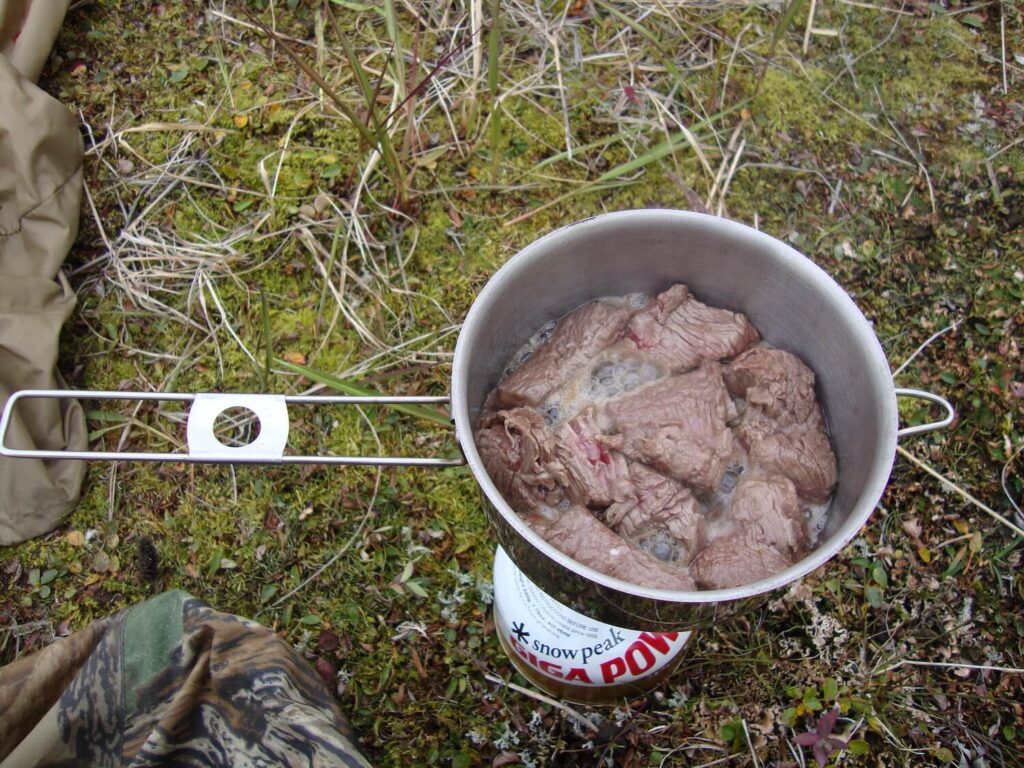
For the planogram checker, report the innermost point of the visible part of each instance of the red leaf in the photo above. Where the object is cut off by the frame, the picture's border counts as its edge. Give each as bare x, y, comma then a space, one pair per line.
807, 739
828, 721
327, 642
325, 669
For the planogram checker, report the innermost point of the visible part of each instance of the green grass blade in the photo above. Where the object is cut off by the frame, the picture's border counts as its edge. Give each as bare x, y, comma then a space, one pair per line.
398, 61
784, 23
493, 40
603, 142
641, 30
268, 345
664, 149
351, 388
382, 139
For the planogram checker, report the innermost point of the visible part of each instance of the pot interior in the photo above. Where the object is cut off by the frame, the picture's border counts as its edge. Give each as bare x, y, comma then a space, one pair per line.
792, 302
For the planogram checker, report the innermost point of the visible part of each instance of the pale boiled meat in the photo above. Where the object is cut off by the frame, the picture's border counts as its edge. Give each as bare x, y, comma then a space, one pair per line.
595, 470
659, 503
573, 345
518, 451
783, 428
649, 452
801, 452
733, 561
678, 425
768, 507
584, 538
679, 332
775, 381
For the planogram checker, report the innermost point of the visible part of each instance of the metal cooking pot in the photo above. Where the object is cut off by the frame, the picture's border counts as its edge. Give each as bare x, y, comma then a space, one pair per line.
792, 302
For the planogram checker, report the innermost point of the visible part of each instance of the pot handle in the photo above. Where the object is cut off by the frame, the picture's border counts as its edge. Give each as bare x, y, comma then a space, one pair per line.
920, 394
203, 446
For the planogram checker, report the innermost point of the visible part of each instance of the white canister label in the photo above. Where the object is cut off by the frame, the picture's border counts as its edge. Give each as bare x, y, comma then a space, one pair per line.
564, 645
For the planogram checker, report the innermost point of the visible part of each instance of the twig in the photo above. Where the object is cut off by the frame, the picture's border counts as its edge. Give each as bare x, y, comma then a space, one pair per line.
1002, 41
983, 667
921, 348
358, 531
956, 488
746, 733
870, 7
546, 699
1006, 489
810, 26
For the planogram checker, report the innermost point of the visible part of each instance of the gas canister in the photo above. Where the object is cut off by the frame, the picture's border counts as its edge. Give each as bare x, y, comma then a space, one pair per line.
573, 656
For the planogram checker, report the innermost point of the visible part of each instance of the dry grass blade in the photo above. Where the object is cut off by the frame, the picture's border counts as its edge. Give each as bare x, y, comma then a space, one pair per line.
584, 721
947, 483
376, 141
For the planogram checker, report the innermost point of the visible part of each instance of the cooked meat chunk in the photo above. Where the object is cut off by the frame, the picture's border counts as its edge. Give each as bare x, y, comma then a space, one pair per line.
733, 561
518, 451
783, 428
678, 425
768, 508
576, 340
680, 333
801, 452
774, 381
596, 473
659, 503
587, 540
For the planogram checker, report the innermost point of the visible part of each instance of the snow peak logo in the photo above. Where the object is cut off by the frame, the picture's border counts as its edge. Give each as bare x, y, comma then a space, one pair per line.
599, 663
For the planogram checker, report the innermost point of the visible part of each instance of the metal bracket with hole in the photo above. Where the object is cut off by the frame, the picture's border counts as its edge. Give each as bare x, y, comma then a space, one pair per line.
203, 445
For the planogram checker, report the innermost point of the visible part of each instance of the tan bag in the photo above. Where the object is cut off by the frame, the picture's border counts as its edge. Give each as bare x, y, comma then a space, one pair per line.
40, 194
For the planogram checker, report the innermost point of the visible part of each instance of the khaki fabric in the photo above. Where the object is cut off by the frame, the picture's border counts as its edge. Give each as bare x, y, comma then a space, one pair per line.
40, 195
170, 682
27, 31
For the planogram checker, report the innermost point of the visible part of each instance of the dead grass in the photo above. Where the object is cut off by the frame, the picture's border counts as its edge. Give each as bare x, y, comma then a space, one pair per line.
878, 138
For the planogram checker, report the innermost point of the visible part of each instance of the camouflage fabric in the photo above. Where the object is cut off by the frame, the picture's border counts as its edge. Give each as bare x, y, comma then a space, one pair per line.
170, 682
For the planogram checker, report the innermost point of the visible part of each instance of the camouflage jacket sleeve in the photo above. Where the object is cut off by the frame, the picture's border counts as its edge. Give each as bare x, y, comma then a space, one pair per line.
170, 682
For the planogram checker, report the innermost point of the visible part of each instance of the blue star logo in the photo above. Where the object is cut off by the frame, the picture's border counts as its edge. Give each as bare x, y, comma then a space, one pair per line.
519, 632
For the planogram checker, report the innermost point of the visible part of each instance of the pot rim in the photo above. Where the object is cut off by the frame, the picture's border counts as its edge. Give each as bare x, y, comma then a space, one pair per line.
869, 495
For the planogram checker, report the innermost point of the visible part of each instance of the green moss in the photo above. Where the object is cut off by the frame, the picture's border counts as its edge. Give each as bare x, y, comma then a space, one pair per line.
242, 539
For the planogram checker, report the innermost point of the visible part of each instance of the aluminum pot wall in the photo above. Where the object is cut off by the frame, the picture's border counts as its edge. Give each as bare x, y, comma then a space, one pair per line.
794, 304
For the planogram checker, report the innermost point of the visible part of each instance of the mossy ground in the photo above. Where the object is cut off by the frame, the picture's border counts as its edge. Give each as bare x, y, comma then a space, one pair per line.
886, 154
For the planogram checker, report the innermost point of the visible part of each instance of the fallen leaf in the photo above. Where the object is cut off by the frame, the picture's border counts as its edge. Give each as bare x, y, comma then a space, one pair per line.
305, 513
295, 357
327, 642
241, 121
75, 539
325, 669
101, 562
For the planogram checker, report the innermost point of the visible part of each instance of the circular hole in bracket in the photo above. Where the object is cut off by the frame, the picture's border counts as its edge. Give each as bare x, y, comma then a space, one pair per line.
236, 426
